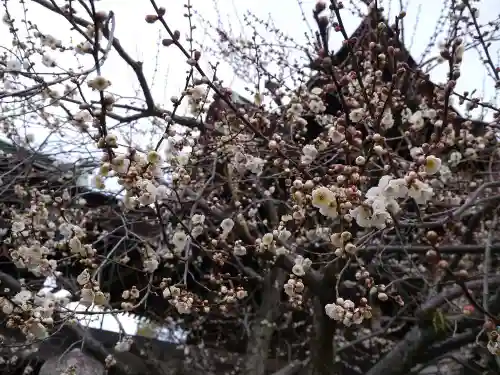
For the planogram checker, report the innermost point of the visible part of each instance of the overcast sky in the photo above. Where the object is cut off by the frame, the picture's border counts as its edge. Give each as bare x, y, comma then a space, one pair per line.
165, 68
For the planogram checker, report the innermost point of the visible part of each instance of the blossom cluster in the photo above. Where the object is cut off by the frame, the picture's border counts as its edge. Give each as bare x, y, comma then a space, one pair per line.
346, 311
302, 193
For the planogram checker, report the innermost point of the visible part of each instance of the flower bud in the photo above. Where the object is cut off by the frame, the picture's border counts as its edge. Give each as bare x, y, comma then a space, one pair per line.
151, 18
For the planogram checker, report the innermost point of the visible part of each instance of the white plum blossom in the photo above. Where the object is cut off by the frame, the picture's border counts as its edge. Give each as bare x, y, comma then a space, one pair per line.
430, 113
151, 264
284, 235
267, 239
334, 311
367, 217
298, 270
34, 259
360, 160
322, 197
239, 250
182, 158
317, 106
153, 157
84, 277
18, 226
100, 299
6, 306
379, 218
337, 240
38, 330
445, 173
198, 219
335, 135
454, 158
289, 287
179, 240
301, 265
432, 165
420, 192
389, 188
416, 152
356, 115
147, 193
184, 306
146, 199
362, 215
83, 48
309, 154
470, 153
417, 120
255, 164
197, 231
296, 109
120, 164
350, 248
493, 347
22, 297
406, 114
87, 297
387, 121
227, 225
397, 188
171, 291
316, 91
330, 211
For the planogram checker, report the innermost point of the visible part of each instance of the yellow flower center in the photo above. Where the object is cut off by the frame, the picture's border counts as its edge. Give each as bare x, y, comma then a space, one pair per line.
430, 163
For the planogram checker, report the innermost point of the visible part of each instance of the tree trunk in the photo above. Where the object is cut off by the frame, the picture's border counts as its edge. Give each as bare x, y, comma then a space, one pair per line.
322, 344
262, 327
76, 359
322, 353
402, 358
414, 347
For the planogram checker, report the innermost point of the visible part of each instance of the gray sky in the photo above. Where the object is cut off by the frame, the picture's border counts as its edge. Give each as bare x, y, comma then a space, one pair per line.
166, 70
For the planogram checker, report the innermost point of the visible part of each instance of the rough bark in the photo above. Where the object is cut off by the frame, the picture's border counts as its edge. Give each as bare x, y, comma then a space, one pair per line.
418, 344
322, 343
290, 369
75, 359
261, 334
402, 358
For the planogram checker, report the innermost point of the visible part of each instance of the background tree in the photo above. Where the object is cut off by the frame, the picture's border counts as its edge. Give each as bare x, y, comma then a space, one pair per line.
343, 221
